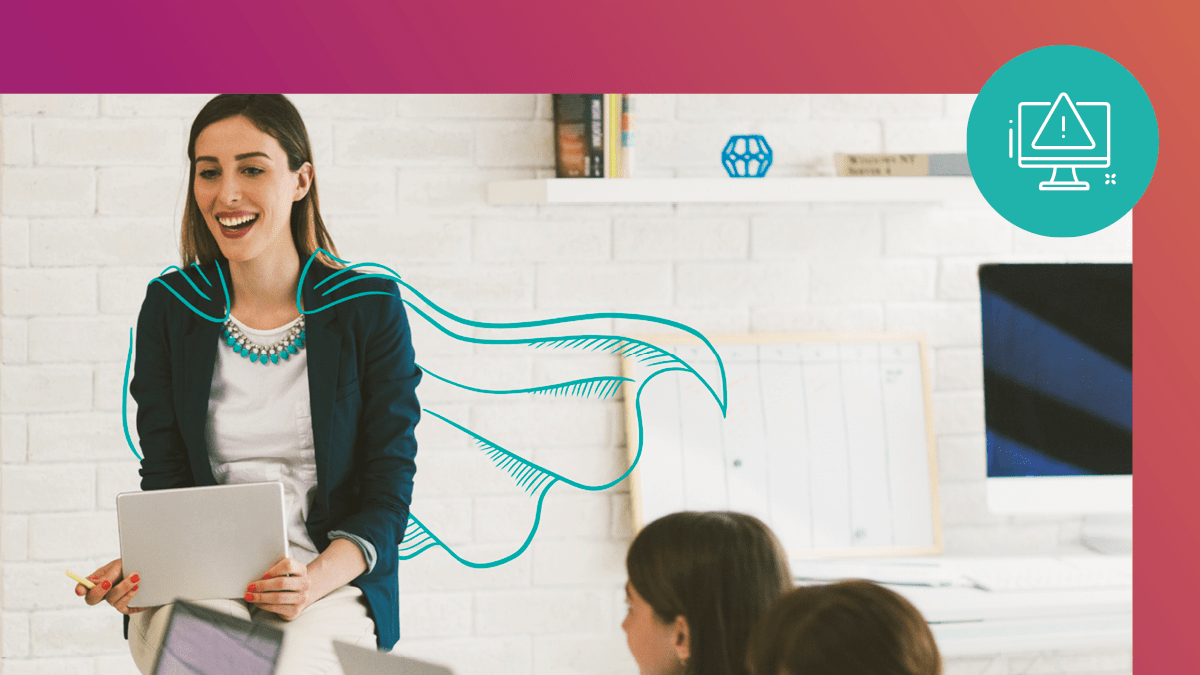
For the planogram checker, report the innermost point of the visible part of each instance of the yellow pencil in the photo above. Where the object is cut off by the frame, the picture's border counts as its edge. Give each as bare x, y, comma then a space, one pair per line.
81, 580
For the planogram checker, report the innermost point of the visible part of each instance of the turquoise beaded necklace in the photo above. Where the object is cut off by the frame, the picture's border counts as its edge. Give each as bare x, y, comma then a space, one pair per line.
290, 345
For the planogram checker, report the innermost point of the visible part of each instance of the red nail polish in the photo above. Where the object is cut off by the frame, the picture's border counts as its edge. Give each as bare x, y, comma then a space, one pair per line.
249, 597
106, 585
135, 588
251, 588
135, 578
267, 576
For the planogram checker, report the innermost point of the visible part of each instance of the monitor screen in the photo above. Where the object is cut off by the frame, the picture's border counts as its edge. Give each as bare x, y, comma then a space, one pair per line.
1058, 369
1063, 133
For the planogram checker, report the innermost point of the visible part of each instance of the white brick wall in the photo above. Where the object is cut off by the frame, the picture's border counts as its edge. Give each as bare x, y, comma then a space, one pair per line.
49, 291
181, 107
108, 142
15, 347
141, 191
676, 239
355, 191
514, 144
875, 107
724, 284
15, 234
48, 191
541, 241
452, 106
17, 141
738, 109
603, 286
435, 143
77, 437
35, 105
91, 188
39, 389
543, 611
70, 536
816, 236
101, 241
75, 340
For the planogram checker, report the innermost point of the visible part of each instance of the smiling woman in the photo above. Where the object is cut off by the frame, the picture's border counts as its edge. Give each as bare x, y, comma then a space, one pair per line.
256, 186
209, 412
271, 161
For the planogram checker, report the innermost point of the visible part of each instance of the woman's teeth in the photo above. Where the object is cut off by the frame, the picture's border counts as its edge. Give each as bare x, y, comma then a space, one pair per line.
238, 222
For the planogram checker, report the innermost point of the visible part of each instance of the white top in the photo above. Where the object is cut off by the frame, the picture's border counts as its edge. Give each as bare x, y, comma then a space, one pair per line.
259, 428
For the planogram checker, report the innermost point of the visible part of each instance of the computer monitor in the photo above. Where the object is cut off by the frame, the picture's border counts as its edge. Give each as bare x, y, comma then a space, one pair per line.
1063, 134
1058, 387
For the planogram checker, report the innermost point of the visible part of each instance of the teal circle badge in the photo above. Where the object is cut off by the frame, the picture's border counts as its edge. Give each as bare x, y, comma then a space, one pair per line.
1062, 141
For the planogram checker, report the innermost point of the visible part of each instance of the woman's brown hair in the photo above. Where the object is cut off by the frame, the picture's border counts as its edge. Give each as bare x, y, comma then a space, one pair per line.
274, 115
720, 571
847, 628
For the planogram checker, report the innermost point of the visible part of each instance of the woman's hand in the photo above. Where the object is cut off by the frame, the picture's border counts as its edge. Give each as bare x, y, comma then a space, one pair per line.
286, 589
289, 587
111, 586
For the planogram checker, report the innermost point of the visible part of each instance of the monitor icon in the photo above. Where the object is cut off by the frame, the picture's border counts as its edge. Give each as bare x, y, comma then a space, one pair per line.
1062, 135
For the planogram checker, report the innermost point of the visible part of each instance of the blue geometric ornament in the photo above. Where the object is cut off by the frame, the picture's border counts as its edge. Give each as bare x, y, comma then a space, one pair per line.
746, 156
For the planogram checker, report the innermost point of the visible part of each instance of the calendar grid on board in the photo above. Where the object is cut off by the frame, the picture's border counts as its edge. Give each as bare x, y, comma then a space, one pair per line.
828, 438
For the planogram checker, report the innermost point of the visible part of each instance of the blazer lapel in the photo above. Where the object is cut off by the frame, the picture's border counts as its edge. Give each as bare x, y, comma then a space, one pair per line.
324, 351
199, 359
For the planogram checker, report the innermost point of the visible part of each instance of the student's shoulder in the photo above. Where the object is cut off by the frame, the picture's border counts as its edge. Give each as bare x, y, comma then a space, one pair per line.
356, 289
196, 288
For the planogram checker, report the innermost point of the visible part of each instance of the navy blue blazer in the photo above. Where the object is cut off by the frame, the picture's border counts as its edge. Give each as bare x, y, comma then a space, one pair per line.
362, 384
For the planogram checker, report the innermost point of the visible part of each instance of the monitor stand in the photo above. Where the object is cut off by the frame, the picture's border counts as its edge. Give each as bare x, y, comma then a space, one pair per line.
1111, 534
1055, 184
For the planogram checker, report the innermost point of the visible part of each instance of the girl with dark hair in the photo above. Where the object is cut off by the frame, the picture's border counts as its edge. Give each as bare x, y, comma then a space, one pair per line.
697, 583
276, 380
848, 628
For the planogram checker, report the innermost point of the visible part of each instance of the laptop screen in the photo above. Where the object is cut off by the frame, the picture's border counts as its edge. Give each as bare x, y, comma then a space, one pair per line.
363, 661
201, 641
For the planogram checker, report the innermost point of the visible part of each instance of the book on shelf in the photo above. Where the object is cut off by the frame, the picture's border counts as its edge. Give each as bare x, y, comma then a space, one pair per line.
628, 110
938, 164
596, 135
593, 135
571, 136
612, 157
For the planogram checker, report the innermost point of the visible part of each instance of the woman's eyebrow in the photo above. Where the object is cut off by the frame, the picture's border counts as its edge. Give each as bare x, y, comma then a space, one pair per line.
239, 158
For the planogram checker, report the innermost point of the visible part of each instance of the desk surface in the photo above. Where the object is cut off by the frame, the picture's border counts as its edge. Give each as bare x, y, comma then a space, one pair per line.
968, 621
954, 604
1106, 631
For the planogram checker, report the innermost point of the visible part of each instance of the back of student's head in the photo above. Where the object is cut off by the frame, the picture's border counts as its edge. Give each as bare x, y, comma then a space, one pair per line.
847, 628
718, 570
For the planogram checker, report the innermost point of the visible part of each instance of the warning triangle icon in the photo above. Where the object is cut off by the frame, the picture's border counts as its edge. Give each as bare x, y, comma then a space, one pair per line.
1063, 129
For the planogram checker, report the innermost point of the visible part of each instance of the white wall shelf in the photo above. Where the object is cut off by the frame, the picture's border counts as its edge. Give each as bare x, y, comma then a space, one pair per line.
733, 190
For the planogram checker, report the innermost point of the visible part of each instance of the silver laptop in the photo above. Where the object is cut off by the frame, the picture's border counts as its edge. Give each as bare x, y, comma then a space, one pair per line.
200, 641
200, 543
363, 661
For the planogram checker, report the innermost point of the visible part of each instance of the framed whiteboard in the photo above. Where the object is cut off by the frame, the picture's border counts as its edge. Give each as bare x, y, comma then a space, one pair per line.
828, 439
